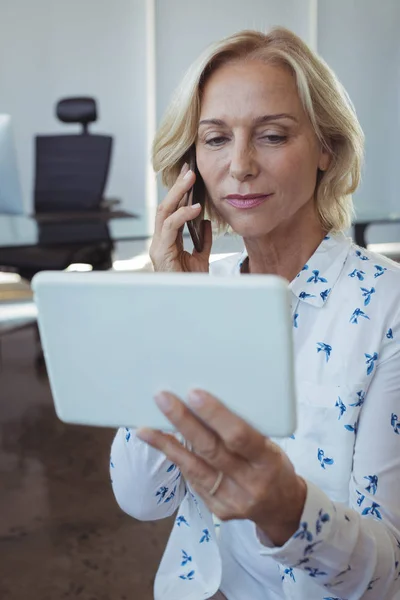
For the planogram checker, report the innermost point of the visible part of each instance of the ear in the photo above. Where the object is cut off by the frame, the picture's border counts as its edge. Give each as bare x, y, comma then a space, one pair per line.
324, 159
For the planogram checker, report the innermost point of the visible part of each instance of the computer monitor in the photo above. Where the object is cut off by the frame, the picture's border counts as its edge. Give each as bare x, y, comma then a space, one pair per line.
11, 201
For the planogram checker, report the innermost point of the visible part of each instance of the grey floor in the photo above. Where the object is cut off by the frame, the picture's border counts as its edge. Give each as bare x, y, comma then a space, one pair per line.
61, 533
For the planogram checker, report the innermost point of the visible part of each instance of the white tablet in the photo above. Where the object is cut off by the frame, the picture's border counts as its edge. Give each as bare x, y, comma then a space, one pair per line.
111, 341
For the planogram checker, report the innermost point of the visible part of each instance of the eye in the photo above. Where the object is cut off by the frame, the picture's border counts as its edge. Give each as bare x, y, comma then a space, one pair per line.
274, 138
216, 141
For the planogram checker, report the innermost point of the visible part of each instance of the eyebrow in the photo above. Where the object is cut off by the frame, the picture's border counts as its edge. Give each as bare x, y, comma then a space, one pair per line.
257, 121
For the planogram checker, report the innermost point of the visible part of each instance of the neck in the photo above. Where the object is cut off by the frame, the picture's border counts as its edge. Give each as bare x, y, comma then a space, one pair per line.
285, 250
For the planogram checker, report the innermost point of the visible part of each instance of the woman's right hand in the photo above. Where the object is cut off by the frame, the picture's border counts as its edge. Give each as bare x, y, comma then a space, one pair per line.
166, 250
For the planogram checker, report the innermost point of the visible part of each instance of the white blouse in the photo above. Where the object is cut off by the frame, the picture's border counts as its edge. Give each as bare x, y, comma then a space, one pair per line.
346, 329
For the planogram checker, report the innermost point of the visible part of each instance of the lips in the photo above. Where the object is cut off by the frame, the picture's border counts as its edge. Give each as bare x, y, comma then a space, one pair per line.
248, 201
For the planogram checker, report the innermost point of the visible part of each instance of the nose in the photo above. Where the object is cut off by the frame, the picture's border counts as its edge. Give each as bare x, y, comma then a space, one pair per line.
243, 164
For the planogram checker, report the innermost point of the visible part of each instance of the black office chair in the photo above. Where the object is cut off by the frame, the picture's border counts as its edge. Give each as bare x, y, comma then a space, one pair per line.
71, 170
70, 176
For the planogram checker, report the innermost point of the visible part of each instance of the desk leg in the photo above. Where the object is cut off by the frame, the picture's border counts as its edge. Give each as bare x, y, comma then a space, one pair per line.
359, 234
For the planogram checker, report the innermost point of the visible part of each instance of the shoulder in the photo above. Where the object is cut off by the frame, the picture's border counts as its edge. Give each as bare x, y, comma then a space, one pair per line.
366, 256
374, 280
377, 268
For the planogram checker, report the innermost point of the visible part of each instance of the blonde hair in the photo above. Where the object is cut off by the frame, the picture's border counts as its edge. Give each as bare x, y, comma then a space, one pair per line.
324, 99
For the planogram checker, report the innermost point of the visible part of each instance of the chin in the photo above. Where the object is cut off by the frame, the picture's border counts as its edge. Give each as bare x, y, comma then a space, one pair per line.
251, 223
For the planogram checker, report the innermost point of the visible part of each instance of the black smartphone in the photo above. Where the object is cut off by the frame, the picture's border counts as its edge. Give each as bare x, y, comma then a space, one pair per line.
197, 194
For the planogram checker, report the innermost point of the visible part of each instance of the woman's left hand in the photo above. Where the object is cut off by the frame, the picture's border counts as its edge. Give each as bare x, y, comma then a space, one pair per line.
258, 480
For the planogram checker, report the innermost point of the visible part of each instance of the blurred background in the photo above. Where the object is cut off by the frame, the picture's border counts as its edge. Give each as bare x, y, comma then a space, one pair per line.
117, 64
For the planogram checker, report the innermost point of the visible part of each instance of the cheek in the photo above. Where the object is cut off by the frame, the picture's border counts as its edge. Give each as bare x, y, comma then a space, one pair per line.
296, 170
212, 167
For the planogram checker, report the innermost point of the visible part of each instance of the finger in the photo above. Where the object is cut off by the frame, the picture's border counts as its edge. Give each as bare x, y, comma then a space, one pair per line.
238, 436
220, 504
174, 223
229, 501
207, 236
192, 466
175, 195
205, 442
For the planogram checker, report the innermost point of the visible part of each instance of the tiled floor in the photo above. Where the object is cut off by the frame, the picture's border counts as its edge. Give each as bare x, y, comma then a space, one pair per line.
61, 533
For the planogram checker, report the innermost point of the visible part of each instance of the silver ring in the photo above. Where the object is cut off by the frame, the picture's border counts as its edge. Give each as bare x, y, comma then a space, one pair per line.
216, 485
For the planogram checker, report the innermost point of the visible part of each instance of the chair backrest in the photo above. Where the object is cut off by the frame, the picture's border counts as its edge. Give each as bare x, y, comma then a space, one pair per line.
71, 170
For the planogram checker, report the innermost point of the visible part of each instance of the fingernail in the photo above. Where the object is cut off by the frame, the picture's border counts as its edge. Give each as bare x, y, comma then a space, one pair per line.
188, 174
163, 401
195, 398
184, 168
196, 206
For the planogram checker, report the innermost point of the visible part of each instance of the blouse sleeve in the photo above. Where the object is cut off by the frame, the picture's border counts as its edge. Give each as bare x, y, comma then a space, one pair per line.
145, 483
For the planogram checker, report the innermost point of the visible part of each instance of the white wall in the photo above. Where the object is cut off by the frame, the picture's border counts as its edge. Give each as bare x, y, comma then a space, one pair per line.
50, 49
184, 29
360, 40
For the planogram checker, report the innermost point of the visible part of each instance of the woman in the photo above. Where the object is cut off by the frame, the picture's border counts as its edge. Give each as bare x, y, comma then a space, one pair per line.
317, 515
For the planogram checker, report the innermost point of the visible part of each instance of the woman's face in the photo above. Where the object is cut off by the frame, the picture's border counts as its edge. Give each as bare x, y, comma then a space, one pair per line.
256, 149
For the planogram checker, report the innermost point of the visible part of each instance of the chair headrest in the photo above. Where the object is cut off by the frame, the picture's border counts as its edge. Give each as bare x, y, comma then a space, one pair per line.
77, 110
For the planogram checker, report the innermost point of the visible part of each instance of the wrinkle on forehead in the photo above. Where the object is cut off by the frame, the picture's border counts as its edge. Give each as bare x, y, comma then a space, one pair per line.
245, 91
238, 93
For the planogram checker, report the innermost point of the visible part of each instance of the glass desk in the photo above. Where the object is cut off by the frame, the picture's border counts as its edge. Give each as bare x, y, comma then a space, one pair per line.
70, 228
24, 230
18, 232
